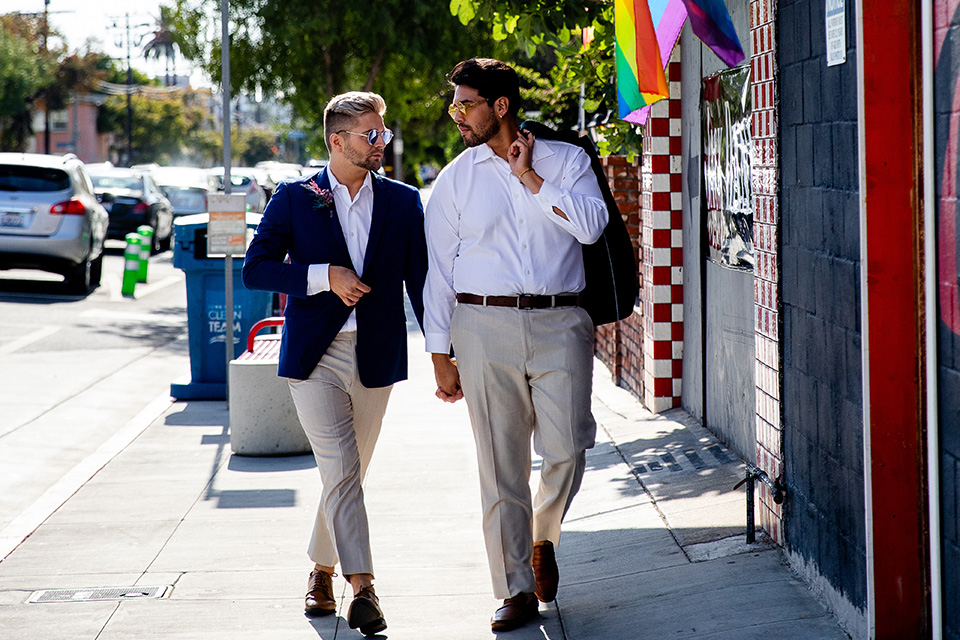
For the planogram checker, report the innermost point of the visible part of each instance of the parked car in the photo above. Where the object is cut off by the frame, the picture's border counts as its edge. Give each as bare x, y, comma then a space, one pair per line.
133, 199
186, 188
50, 219
277, 172
245, 180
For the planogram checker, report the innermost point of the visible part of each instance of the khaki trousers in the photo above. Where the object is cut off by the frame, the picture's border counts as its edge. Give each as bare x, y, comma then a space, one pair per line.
523, 373
342, 420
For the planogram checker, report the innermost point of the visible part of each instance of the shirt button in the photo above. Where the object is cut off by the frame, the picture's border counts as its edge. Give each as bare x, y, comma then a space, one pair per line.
516, 195
521, 220
524, 246
528, 272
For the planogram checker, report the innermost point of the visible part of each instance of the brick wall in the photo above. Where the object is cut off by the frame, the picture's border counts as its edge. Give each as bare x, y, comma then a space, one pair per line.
763, 167
947, 135
820, 337
616, 343
662, 269
644, 351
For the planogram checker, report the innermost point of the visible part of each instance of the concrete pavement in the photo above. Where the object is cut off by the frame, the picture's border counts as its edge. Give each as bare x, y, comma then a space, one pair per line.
648, 550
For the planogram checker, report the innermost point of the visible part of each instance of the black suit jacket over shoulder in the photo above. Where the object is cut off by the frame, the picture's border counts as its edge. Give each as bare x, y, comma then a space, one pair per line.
295, 225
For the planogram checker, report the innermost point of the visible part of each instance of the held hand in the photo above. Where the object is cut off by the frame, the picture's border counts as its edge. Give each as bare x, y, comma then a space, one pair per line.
520, 152
345, 283
448, 378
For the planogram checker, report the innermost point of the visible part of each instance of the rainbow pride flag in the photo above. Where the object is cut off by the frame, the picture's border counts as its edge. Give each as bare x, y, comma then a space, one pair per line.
711, 23
640, 77
668, 17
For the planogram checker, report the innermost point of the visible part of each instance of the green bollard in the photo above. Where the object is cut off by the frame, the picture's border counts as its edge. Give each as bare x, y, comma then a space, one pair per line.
146, 245
131, 263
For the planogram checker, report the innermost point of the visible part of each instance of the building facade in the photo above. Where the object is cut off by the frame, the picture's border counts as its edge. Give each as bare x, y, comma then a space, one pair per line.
811, 319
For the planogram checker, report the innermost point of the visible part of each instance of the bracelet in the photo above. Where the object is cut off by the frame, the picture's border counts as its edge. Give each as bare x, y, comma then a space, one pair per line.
520, 177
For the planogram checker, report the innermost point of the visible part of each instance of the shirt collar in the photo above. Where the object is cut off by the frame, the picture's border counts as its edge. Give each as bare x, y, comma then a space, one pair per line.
336, 184
484, 152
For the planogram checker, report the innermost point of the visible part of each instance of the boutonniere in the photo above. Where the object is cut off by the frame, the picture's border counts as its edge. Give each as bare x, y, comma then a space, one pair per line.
322, 198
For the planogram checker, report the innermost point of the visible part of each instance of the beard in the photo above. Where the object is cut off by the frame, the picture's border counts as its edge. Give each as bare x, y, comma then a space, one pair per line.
480, 134
363, 160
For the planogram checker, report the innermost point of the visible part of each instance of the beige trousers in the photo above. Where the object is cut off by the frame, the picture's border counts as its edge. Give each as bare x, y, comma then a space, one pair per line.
523, 373
342, 420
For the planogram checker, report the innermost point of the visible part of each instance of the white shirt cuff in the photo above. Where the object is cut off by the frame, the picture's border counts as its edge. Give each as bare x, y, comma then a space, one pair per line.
548, 196
318, 278
437, 342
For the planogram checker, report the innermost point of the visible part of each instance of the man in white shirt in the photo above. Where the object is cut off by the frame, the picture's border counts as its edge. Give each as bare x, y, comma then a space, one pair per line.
504, 225
353, 239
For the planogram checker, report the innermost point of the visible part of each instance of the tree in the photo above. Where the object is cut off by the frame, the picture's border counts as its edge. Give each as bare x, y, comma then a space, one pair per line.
22, 74
552, 29
167, 43
307, 51
163, 129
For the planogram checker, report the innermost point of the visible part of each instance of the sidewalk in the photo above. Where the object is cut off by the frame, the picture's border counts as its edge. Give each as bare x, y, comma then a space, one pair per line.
649, 551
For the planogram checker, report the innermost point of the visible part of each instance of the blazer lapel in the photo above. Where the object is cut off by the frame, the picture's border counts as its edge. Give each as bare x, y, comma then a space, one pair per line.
378, 219
323, 181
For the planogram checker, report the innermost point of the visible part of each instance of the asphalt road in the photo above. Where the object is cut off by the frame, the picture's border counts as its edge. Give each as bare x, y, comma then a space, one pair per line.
75, 371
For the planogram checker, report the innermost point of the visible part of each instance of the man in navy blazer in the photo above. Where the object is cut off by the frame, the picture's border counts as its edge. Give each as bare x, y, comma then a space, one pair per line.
341, 244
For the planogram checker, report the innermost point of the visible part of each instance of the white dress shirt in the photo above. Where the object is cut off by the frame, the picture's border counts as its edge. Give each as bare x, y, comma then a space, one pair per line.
355, 217
487, 234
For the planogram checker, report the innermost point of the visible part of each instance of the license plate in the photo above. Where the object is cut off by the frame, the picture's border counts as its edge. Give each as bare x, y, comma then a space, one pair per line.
11, 219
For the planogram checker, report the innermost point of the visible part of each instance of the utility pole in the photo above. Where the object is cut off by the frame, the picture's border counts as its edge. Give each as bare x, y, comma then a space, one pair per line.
129, 99
46, 101
130, 86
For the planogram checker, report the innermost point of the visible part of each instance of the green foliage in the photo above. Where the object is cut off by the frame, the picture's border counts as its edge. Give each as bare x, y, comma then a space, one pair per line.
23, 73
256, 144
308, 51
548, 33
165, 131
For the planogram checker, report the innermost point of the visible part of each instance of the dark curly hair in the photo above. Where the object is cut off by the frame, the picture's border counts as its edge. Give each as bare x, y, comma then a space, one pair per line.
491, 78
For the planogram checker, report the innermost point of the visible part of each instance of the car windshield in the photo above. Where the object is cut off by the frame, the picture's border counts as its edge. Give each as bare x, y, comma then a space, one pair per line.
117, 182
20, 178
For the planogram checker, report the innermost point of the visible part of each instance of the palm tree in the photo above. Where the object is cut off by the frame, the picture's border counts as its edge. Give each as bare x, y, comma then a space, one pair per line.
166, 42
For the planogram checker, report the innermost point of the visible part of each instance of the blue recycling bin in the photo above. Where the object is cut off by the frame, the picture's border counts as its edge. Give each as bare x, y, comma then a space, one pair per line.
206, 308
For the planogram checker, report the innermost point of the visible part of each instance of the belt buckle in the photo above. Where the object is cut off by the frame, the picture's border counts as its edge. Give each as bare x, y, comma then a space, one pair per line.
524, 302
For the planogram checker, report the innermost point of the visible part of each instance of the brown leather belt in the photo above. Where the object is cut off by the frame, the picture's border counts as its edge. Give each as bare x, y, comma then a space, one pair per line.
521, 302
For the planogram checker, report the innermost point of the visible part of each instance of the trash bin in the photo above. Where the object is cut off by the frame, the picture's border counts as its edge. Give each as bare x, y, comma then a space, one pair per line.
206, 308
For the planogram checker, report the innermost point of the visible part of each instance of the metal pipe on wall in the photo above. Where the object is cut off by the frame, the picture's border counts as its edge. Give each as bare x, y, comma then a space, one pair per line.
930, 319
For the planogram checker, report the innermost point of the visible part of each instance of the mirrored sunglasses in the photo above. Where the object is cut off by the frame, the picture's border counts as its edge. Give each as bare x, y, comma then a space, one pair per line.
373, 135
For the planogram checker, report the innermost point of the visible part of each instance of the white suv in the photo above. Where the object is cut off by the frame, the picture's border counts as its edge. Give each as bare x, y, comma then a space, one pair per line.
50, 218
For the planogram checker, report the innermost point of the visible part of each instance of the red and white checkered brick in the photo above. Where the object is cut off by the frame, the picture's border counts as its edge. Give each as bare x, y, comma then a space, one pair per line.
662, 272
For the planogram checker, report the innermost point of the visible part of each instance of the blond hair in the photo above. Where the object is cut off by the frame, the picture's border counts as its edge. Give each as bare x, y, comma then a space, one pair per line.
342, 111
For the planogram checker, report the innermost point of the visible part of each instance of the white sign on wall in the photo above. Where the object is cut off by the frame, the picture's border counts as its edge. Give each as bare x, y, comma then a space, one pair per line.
836, 32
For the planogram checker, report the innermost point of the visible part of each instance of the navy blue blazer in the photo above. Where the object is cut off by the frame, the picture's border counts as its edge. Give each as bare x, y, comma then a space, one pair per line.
293, 225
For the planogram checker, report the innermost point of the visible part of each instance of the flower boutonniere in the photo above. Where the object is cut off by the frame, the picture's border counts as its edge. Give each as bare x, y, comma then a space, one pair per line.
322, 198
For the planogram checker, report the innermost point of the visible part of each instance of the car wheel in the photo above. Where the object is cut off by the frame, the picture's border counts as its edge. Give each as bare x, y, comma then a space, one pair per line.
96, 272
79, 279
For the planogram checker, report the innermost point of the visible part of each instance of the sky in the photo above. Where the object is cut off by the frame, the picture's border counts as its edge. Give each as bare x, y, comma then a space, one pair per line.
79, 20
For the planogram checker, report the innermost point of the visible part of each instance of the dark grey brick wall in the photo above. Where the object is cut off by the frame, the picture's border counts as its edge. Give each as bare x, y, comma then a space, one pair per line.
946, 82
820, 289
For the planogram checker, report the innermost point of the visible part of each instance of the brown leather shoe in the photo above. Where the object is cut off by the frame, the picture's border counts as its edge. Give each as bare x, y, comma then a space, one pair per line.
515, 612
320, 600
365, 613
545, 572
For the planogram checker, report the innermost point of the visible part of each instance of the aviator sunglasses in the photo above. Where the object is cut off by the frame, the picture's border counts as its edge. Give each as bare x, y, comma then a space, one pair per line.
386, 135
462, 107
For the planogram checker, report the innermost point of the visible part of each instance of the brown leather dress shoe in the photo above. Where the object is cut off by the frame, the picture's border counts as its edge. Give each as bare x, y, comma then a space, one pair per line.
365, 613
515, 612
320, 600
545, 572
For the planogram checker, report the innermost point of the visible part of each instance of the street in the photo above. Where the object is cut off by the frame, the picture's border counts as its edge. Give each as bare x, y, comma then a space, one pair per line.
74, 371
